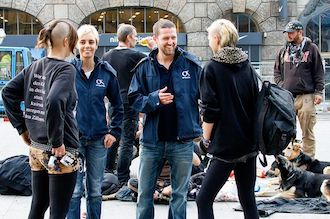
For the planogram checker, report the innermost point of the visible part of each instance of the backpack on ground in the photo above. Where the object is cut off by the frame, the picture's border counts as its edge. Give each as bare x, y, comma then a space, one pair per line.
15, 176
275, 124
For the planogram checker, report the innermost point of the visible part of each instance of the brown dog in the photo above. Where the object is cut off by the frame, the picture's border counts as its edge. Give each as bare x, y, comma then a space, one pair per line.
294, 153
293, 150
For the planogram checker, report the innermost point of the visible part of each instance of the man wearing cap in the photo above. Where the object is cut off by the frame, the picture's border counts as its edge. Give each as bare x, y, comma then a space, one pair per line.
298, 68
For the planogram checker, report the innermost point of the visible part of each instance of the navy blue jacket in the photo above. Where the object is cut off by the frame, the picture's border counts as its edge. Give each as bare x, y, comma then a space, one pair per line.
91, 110
144, 89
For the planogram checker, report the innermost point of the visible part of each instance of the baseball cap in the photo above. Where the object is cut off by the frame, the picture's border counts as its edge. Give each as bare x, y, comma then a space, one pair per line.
293, 26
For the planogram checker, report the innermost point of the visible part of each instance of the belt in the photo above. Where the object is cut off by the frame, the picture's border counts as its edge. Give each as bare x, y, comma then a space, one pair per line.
48, 147
296, 94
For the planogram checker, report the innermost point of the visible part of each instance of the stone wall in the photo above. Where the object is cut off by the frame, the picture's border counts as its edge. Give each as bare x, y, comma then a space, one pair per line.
196, 15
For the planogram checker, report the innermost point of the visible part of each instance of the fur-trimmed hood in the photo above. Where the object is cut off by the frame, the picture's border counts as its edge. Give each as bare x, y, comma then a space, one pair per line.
230, 55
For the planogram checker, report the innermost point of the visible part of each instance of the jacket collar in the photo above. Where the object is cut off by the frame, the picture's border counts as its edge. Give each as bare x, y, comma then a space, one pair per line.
77, 62
179, 52
230, 55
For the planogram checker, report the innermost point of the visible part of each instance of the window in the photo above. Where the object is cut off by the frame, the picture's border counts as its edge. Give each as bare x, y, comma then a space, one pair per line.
137, 19
18, 22
5, 65
10, 21
318, 29
243, 22
245, 26
142, 18
125, 15
110, 21
151, 18
19, 62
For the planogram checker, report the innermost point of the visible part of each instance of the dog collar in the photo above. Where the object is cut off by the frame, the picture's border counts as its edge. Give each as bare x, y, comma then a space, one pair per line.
290, 177
297, 159
287, 184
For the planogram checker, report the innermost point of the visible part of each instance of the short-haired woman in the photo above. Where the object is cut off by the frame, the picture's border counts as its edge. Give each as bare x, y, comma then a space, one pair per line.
95, 81
228, 95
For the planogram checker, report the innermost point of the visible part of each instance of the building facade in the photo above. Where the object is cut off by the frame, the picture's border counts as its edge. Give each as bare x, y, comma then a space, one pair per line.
260, 22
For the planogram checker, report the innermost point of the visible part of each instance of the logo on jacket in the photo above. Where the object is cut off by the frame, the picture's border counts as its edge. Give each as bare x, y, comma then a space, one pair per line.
185, 74
305, 56
100, 83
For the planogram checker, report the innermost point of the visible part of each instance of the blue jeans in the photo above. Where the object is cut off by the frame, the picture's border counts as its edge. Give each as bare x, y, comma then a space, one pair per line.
94, 157
179, 156
125, 154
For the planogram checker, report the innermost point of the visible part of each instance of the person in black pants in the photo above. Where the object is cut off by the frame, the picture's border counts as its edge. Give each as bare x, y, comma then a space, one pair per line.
123, 59
228, 96
48, 125
217, 175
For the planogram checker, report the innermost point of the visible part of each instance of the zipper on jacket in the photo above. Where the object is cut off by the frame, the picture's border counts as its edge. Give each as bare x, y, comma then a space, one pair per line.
89, 98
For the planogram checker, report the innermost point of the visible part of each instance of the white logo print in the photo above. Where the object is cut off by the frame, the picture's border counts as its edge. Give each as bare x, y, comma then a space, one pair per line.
185, 74
99, 83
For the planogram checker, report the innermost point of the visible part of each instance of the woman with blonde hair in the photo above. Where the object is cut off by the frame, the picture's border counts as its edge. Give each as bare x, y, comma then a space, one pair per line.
228, 95
48, 125
95, 81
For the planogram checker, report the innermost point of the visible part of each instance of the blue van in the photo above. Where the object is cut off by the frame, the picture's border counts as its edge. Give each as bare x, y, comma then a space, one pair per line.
12, 61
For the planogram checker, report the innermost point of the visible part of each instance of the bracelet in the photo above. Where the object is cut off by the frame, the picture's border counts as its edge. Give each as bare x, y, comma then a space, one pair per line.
206, 142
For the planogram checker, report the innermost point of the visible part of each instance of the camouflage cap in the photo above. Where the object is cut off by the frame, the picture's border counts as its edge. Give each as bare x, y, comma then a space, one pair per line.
293, 26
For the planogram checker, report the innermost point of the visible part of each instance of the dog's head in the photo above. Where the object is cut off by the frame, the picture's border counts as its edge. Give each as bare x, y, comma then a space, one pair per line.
325, 189
283, 164
288, 172
293, 150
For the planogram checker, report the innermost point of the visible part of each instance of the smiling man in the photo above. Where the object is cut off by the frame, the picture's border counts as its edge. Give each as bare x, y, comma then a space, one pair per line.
165, 88
298, 68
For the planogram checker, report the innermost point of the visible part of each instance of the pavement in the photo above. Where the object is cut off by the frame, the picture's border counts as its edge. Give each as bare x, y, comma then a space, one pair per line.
17, 207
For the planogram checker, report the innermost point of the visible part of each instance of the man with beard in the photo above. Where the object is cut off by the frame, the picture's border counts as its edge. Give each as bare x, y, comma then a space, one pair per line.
165, 88
298, 68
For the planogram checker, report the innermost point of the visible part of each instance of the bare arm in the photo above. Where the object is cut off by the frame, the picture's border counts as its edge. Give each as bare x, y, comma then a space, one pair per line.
207, 130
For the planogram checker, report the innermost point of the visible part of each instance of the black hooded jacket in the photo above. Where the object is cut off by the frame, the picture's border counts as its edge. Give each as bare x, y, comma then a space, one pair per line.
228, 94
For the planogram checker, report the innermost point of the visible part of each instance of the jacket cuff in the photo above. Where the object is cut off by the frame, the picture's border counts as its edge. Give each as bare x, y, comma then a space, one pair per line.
209, 119
56, 144
155, 98
21, 129
115, 134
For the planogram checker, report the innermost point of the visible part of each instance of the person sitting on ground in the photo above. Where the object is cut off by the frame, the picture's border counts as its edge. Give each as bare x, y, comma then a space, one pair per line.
163, 190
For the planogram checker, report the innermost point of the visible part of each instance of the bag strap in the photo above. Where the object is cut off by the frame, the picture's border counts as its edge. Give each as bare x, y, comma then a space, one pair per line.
262, 114
256, 74
264, 163
260, 121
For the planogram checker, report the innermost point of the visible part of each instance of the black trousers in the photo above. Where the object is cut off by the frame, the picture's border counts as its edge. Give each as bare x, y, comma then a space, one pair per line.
51, 190
217, 175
